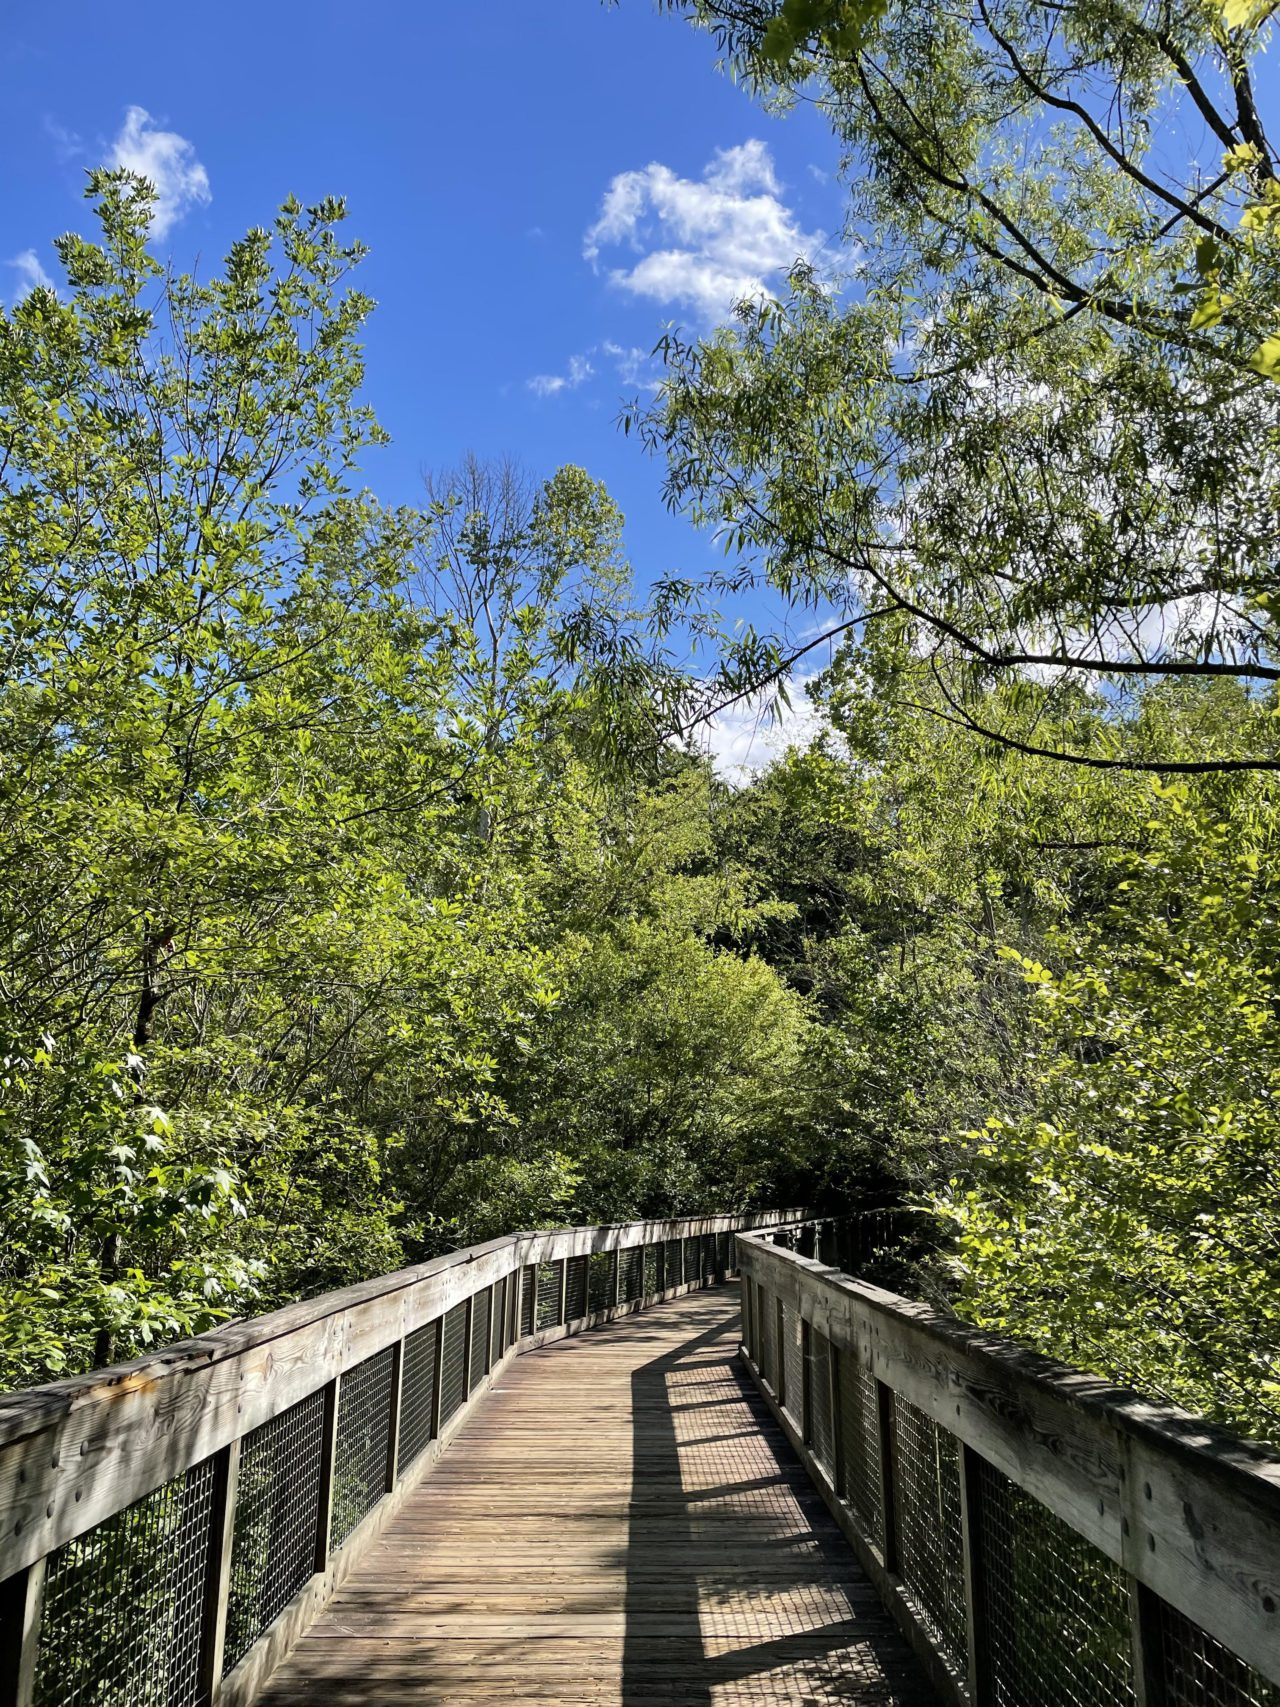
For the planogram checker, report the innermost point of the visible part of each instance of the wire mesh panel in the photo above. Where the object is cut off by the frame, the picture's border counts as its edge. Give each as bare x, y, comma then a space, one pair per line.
860, 1480
478, 1363
818, 1399
575, 1290
692, 1259
277, 1516
124, 1603
708, 1254
453, 1361
672, 1264
792, 1367
631, 1274
548, 1315
528, 1299
417, 1389
1056, 1610
652, 1270
362, 1444
1195, 1670
724, 1254
926, 1504
604, 1267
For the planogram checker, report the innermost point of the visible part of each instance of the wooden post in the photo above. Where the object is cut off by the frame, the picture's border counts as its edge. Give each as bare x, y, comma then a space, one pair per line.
780, 1358
888, 1512
328, 1454
21, 1603
393, 1415
1144, 1635
222, 1520
562, 1303
806, 1382
975, 1594
838, 1475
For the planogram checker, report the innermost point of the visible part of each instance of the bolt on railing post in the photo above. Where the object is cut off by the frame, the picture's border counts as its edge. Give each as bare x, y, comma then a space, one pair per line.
328, 1456
217, 1591
888, 1509
975, 1594
393, 1413
21, 1604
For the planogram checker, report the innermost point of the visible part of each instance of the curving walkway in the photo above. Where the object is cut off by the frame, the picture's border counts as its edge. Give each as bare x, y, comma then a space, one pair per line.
620, 1522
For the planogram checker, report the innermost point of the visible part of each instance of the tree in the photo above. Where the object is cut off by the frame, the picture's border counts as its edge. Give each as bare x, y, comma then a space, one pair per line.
1031, 434
211, 691
1125, 1218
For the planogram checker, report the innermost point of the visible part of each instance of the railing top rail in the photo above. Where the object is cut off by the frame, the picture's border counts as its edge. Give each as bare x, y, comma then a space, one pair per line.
32, 1408
74, 1452
1188, 1510
170, 1526
1163, 1424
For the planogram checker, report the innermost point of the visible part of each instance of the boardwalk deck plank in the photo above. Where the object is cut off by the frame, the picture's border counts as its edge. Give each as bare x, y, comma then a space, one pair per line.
620, 1522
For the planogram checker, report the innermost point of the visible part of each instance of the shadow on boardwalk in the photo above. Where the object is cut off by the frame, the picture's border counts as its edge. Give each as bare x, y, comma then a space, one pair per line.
620, 1522
759, 1597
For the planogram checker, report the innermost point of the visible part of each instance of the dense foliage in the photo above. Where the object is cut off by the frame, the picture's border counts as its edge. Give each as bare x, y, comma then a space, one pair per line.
360, 895
329, 936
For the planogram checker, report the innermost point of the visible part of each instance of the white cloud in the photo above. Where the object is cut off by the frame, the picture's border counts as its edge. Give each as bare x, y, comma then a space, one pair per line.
30, 274
704, 245
747, 738
547, 384
168, 160
634, 366
67, 144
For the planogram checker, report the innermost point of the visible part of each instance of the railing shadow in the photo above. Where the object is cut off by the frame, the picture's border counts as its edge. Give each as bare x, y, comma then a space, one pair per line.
686, 1560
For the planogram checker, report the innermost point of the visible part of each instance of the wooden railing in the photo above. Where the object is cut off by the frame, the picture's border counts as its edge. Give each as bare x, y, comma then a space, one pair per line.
168, 1528
1044, 1539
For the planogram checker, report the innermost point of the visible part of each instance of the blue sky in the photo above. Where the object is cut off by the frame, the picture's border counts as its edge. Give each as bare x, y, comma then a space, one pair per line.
542, 187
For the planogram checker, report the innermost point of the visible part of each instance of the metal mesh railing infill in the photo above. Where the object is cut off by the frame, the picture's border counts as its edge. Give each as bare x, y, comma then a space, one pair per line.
478, 1362
123, 1604
821, 1436
575, 1289
277, 1518
604, 1268
548, 1307
1056, 1612
417, 1391
860, 1478
453, 1362
362, 1443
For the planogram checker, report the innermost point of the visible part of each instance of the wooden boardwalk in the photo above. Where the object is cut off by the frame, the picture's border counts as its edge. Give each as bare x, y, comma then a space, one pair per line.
619, 1522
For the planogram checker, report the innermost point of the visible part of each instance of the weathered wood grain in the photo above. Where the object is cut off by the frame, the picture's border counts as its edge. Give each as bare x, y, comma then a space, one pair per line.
74, 1452
1191, 1512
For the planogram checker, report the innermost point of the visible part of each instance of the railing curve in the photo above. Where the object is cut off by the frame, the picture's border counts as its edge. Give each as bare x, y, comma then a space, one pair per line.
1043, 1538
169, 1527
